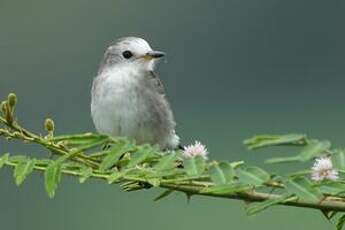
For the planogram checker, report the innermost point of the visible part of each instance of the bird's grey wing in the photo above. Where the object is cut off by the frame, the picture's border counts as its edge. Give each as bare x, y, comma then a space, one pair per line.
160, 114
156, 82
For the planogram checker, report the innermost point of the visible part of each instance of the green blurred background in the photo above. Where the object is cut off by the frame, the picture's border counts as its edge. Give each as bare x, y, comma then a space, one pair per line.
235, 68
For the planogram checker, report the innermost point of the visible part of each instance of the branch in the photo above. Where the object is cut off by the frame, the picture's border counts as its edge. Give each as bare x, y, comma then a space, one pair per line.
139, 167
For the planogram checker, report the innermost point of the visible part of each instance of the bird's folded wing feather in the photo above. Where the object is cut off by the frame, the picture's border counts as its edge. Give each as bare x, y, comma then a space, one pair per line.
157, 82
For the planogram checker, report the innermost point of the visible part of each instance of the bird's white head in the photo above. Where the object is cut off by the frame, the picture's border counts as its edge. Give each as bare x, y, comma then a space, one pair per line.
132, 52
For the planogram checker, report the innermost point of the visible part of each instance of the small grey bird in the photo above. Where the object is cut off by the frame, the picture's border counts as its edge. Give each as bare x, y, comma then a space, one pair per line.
128, 98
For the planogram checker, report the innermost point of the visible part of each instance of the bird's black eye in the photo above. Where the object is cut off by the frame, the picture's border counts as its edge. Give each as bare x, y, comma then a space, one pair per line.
127, 54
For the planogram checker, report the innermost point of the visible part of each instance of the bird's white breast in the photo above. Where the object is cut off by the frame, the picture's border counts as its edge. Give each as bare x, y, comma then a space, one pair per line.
117, 108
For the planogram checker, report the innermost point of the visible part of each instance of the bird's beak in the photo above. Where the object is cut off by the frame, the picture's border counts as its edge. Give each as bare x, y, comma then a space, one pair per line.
153, 55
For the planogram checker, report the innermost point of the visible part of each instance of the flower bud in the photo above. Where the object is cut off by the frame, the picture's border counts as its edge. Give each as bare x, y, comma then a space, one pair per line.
4, 108
12, 100
7, 112
49, 125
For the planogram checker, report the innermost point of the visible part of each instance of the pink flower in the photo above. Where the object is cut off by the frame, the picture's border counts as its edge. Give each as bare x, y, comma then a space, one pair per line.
323, 169
197, 149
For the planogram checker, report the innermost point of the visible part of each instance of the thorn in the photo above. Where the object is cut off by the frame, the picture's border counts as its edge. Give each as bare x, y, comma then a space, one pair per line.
246, 202
189, 197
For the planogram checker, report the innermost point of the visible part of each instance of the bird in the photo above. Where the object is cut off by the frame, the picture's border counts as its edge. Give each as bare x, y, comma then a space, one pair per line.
128, 98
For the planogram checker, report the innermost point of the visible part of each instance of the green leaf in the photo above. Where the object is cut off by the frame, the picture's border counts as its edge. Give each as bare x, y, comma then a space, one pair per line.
338, 159
43, 162
92, 144
141, 155
236, 164
277, 160
221, 173
168, 173
164, 194
333, 188
155, 182
22, 170
340, 222
85, 173
273, 140
80, 139
314, 149
227, 189
194, 166
166, 162
18, 158
4, 159
253, 175
261, 206
83, 141
114, 155
300, 173
304, 189
329, 214
114, 177
52, 177
70, 165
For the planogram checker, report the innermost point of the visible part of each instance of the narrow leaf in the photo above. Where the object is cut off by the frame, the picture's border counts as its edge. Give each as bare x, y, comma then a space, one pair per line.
140, 156
3, 160
92, 144
261, 206
236, 164
22, 170
304, 189
166, 162
114, 155
340, 222
338, 159
329, 214
228, 171
272, 140
167, 173
221, 173
155, 182
253, 175
18, 158
52, 177
85, 173
226, 189
70, 165
333, 188
114, 177
314, 149
277, 160
300, 173
194, 166
80, 139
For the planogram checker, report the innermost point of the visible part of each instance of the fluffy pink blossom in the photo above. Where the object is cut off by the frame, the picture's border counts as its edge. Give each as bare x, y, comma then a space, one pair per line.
197, 149
323, 169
